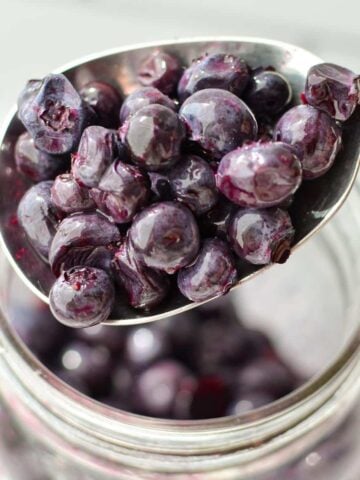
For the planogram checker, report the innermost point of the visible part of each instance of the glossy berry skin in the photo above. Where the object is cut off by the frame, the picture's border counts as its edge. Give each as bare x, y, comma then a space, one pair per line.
217, 121
54, 115
146, 345
193, 182
39, 217
160, 186
218, 70
143, 97
69, 196
160, 70
259, 175
333, 89
83, 239
122, 191
261, 236
154, 136
314, 135
97, 150
82, 297
105, 100
33, 163
165, 236
212, 274
145, 287
214, 222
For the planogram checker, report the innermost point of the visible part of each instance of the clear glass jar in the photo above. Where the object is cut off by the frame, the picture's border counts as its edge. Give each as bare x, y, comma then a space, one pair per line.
310, 308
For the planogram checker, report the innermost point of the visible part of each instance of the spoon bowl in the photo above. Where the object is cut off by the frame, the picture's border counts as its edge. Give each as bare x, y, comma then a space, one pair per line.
315, 202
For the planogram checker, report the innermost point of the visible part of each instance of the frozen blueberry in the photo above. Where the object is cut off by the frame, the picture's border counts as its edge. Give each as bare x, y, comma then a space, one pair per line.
112, 338
214, 223
97, 150
165, 236
193, 183
259, 175
145, 345
154, 136
69, 196
218, 70
39, 216
211, 275
122, 191
160, 70
160, 186
54, 114
82, 297
314, 135
210, 398
333, 89
261, 236
105, 100
217, 121
142, 98
83, 239
245, 402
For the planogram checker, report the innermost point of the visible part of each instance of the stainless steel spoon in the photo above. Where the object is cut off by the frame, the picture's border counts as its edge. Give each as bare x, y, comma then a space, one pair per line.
315, 203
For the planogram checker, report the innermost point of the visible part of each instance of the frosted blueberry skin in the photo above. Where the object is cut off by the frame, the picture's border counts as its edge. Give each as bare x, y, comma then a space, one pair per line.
143, 97
122, 191
160, 186
86, 239
145, 287
259, 175
212, 274
97, 150
218, 70
217, 121
315, 136
193, 182
160, 70
333, 89
261, 236
39, 217
54, 114
154, 136
105, 101
69, 196
82, 297
165, 236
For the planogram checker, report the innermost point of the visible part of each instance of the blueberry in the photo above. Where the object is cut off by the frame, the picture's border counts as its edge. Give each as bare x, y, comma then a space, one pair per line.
210, 398
193, 183
83, 239
245, 402
261, 236
314, 135
73, 380
122, 385
144, 97
122, 191
211, 275
69, 196
105, 101
217, 121
82, 297
154, 136
333, 89
160, 70
214, 223
165, 236
218, 70
39, 216
160, 186
146, 345
112, 338
54, 114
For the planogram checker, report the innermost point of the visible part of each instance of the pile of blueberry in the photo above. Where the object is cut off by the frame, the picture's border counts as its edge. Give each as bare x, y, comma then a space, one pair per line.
187, 175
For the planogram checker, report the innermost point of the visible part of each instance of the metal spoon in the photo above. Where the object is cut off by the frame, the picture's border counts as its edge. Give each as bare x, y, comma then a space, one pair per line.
315, 203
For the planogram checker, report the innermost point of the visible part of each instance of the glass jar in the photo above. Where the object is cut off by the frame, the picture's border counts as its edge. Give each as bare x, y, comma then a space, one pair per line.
310, 309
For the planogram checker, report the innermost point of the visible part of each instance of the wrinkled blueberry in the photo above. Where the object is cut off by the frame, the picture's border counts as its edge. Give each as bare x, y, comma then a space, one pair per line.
314, 135
97, 150
69, 196
154, 136
160, 70
82, 297
259, 175
245, 402
214, 223
211, 275
105, 101
261, 236
122, 191
165, 236
160, 186
217, 121
112, 338
333, 89
210, 398
145, 345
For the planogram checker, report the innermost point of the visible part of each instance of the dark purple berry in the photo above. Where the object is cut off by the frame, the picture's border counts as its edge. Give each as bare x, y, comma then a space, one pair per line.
145, 345
210, 398
160, 186
261, 236
69, 196
82, 297
105, 101
73, 380
160, 70
112, 338
214, 223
